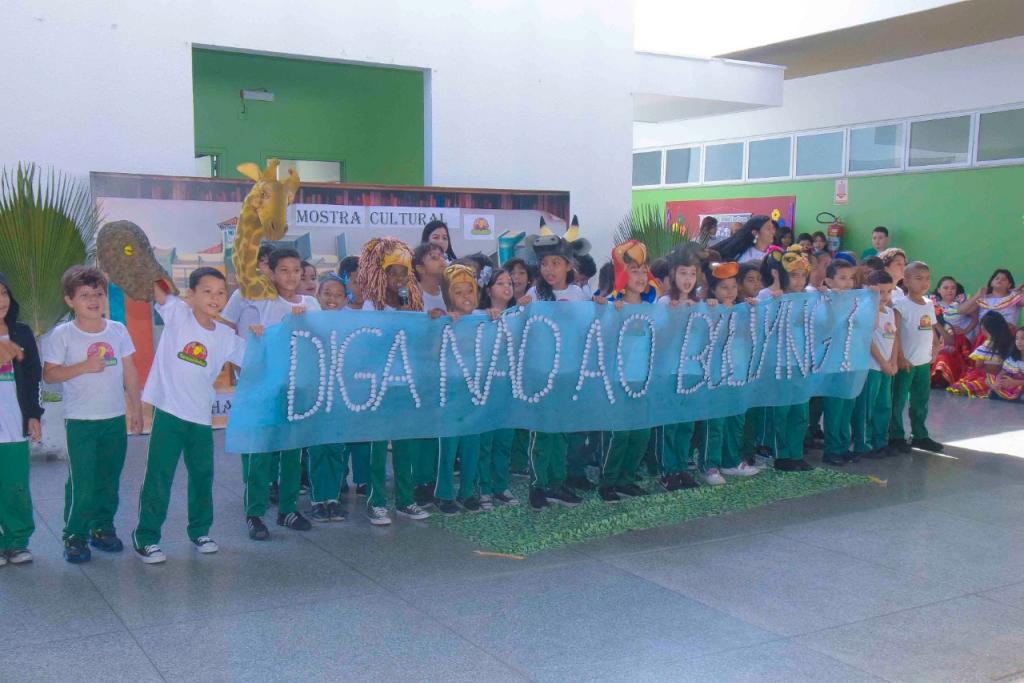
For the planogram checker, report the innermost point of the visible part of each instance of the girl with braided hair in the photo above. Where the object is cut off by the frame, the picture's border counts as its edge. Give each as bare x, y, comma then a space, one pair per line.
385, 278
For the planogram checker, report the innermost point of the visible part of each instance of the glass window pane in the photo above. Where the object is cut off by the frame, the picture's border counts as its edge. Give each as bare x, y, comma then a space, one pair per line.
768, 158
876, 148
1001, 135
819, 154
682, 165
723, 162
647, 168
312, 171
206, 166
940, 141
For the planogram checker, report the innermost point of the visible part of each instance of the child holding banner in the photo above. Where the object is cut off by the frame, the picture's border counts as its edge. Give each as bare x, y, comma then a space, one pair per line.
497, 297
259, 468
673, 448
873, 408
385, 279
94, 359
547, 450
789, 423
634, 284
720, 437
192, 350
838, 412
461, 294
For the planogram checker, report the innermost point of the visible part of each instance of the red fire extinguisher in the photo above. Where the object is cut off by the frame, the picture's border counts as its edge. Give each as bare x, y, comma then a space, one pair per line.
834, 231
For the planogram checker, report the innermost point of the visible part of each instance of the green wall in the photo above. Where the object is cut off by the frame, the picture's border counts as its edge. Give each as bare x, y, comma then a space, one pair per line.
963, 223
369, 118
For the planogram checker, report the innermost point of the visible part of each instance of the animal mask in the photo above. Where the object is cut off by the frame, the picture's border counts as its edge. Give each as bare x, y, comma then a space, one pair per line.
125, 255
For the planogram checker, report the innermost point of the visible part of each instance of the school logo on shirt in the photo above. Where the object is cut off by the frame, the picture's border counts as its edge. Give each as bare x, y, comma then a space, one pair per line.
889, 331
7, 372
926, 323
104, 351
195, 353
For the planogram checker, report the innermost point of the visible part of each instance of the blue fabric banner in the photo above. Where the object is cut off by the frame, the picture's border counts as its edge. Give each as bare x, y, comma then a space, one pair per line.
331, 377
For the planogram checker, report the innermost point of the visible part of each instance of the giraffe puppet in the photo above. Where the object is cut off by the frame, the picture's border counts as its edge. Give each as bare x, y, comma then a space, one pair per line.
263, 216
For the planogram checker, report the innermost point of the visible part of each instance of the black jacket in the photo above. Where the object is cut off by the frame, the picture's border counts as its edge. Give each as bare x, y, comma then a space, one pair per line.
28, 371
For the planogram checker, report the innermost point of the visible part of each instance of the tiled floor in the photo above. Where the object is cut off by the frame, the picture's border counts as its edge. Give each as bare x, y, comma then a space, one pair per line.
918, 580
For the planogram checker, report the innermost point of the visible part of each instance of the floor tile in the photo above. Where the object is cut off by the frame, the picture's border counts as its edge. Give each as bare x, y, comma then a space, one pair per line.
108, 657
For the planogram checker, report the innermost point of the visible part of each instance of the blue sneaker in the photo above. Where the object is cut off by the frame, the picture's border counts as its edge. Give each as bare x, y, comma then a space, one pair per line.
106, 540
76, 551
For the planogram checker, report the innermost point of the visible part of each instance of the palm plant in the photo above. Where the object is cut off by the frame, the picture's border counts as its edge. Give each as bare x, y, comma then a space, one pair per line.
47, 223
646, 223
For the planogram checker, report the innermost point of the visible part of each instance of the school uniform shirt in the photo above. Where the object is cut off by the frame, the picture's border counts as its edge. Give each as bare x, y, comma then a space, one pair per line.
187, 361
93, 395
916, 329
272, 311
432, 301
236, 304
884, 337
570, 293
898, 295
751, 254
10, 412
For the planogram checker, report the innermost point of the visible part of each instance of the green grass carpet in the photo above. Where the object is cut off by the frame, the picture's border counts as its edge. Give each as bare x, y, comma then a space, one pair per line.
521, 531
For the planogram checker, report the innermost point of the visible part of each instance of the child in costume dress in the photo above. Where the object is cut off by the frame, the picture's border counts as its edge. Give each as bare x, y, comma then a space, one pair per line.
987, 359
958, 327
1008, 385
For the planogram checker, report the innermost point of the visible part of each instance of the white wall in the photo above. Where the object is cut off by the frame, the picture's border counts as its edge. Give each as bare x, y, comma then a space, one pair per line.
974, 77
524, 93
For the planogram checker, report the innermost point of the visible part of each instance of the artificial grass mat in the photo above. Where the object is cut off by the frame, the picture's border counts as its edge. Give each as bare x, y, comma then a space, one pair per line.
521, 531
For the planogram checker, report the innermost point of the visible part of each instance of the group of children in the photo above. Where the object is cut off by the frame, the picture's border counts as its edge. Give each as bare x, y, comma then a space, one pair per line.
93, 358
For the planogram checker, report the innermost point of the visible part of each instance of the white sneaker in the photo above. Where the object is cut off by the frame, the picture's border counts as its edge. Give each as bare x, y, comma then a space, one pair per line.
3, 559
506, 497
205, 545
741, 470
378, 516
412, 511
486, 502
713, 477
19, 556
151, 554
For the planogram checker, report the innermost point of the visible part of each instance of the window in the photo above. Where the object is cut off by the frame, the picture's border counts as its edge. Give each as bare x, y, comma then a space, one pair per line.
723, 162
682, 165
1001, 135
940, 141
768, 158
819, 154
207, 166
312, 171
647, 168
876, 148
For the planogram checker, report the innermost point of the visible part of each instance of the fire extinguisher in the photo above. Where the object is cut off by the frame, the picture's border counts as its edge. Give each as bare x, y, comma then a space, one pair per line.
834, 231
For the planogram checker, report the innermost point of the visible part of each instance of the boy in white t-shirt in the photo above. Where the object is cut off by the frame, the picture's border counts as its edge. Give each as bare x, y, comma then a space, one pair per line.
94, 359
873, 408
428, 263
918, 343
259, 469
192, 351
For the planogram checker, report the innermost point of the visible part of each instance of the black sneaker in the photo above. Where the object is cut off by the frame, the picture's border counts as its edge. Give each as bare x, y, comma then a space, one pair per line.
875, 454
76, 551
336, 512
927, 444
562, 496
580, 483
538, 499
151, 554
258, 531
275, 494
294, 521
471, 504
789, 465
899, 445
320, 513
423, 494
686, 481
836, 460
447, 507
850, 456
608, 495
362, 490
631, 490
106, 540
